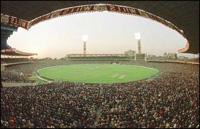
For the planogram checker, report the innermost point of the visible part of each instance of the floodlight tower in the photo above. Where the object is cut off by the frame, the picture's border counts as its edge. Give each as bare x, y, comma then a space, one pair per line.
84, 39
138, 37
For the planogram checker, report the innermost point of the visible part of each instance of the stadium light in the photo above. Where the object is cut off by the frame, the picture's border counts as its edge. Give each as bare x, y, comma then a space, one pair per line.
137, 36
182, 31
84, 38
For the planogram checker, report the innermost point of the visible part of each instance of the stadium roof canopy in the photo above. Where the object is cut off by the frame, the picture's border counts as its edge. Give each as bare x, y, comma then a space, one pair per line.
14, 52
183, 14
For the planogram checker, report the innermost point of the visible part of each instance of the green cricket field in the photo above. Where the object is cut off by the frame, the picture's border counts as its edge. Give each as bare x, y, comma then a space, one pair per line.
98, 73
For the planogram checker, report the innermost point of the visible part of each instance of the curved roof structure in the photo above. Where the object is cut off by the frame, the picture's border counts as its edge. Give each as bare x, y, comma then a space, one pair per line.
183, 14
15, 52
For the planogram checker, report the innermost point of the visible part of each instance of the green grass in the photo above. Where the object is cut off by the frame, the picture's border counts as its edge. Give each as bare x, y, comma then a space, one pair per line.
98, 73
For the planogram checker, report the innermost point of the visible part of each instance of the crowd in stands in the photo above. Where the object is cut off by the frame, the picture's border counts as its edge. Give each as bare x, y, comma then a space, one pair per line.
16, 73
50, 105
170, 100
13, 76
14, 60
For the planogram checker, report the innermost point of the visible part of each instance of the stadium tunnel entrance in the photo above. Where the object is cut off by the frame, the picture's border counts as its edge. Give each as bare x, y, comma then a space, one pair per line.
12, 23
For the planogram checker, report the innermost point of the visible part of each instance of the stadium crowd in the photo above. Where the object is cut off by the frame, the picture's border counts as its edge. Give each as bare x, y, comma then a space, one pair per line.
170, 100
16, 73
13, 76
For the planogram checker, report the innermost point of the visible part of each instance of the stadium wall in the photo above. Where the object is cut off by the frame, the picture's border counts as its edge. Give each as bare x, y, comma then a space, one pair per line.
11, 84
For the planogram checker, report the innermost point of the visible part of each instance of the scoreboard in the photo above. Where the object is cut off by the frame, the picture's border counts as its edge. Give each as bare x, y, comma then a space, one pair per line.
140, 56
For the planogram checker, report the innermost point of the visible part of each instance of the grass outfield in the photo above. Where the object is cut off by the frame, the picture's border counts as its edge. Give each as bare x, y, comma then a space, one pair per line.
98, 73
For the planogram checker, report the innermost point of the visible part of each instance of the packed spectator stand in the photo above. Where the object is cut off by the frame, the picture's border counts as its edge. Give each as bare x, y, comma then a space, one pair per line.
14, 60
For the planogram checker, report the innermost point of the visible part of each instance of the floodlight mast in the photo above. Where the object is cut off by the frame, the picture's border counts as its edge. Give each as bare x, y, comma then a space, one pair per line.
139, 47
84, 39
138, 37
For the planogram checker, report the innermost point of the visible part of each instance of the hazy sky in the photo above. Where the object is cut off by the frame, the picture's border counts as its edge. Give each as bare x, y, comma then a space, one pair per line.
107, 33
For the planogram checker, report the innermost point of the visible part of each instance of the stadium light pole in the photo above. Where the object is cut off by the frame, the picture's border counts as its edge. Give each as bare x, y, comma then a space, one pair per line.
84, 39
145, 58
138, 37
